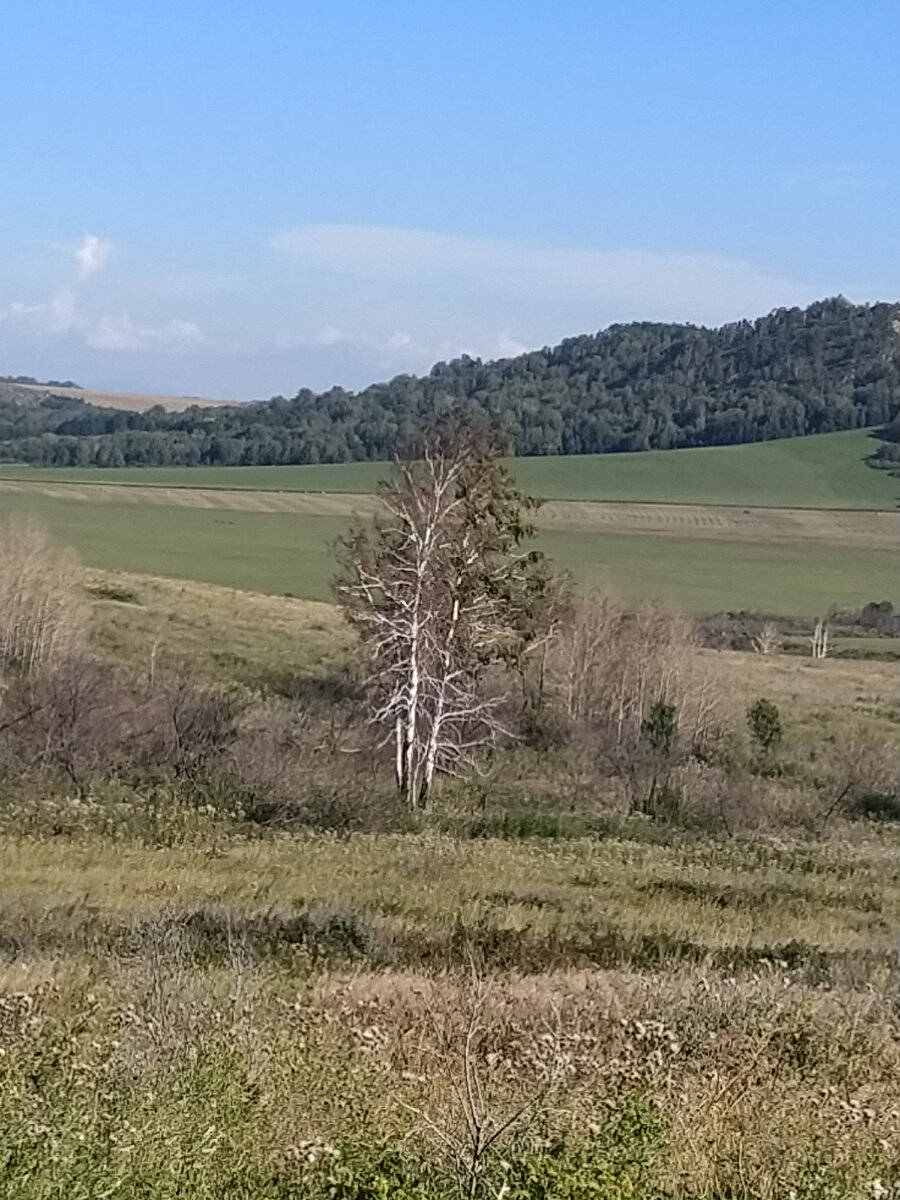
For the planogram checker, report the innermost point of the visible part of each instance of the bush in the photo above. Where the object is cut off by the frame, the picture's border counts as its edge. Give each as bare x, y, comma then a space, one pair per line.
85, 722
619, 1162
764, 720
876, 806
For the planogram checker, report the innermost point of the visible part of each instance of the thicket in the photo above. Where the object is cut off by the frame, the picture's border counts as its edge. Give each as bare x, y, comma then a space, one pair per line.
832, 366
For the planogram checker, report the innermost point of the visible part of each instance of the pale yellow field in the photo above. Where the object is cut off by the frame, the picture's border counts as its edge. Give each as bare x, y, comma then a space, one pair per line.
128, 401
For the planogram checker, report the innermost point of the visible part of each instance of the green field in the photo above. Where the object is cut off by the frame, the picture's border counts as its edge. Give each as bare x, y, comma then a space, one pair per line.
203, 523
289, 553
825, 471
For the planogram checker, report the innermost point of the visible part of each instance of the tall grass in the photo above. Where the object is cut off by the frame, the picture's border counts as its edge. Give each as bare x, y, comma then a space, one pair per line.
43, 610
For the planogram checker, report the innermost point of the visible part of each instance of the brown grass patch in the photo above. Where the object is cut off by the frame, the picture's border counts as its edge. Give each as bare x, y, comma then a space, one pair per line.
126, 401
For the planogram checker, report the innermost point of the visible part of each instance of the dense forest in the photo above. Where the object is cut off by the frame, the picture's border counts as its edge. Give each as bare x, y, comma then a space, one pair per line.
832, 366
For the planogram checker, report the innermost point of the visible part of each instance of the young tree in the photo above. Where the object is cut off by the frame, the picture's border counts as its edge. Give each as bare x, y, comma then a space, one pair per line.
766, 729
440, 588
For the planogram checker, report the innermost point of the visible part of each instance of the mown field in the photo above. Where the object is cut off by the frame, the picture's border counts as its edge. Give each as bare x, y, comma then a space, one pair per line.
284, 552
789, 527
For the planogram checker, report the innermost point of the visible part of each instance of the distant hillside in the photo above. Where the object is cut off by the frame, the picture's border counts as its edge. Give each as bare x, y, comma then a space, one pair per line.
833, 366
21, 390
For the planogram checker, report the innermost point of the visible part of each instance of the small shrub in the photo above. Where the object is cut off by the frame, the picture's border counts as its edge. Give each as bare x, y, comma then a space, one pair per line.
764, 720
876, 806
116, 592
523, 821
380, 1174
211, 931
619, 1162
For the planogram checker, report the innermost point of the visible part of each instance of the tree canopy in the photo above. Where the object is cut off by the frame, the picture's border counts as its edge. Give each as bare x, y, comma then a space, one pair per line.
829, 367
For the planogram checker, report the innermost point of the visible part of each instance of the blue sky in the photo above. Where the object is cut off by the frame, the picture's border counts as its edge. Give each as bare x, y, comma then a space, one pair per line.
233, 200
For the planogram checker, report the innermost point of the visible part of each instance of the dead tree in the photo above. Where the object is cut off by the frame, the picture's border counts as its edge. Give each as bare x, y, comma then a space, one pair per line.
440, 588
819, 640
766, 640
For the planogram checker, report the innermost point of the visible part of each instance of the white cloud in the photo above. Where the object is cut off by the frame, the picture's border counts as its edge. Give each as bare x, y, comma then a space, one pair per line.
121, 333
508, 346
56, 315
92, 255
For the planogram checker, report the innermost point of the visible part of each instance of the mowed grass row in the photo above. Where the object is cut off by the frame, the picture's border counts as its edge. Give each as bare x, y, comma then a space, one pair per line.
280, 553
823, 471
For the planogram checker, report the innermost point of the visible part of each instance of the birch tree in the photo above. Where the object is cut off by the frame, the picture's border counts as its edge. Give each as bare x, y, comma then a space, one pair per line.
441, 588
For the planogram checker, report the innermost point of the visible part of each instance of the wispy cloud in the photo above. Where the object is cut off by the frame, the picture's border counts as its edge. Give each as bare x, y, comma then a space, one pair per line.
349, 304
65, 314
92, 255
629, 283
56, 315
121, 333
496, 297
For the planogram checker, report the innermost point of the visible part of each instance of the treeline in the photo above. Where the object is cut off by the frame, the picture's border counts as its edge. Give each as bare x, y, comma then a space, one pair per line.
832, 366
32, 382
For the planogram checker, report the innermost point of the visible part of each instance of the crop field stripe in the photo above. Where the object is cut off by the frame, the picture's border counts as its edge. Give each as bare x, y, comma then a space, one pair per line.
849, 527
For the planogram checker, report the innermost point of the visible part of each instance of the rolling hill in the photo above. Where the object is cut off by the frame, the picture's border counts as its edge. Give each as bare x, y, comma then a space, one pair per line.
832, 366
35, 394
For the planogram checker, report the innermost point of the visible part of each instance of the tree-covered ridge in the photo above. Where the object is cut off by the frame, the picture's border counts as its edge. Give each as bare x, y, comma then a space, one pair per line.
832, 366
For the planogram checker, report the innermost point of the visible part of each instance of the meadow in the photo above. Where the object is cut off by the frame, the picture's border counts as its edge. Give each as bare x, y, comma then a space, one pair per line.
526, 993
821, 471
789, 527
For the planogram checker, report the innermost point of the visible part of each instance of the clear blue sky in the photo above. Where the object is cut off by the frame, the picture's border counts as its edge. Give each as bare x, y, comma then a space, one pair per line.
234, 199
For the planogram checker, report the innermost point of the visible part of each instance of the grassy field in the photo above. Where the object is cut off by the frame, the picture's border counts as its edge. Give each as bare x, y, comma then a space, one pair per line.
256, 639
284, 552
194, 1006
791, 527
825, 471
232, 1019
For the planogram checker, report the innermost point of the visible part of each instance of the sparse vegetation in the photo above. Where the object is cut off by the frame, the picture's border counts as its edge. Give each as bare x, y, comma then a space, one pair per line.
625, 954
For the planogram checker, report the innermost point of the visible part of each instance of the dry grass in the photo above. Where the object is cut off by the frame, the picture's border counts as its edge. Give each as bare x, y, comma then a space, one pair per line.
43, 615
222, 632
819, 697
157, 997
839, 900
127, 401
192, 1009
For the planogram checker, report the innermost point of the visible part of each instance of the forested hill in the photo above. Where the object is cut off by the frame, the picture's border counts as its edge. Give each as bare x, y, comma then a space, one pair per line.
832, 366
